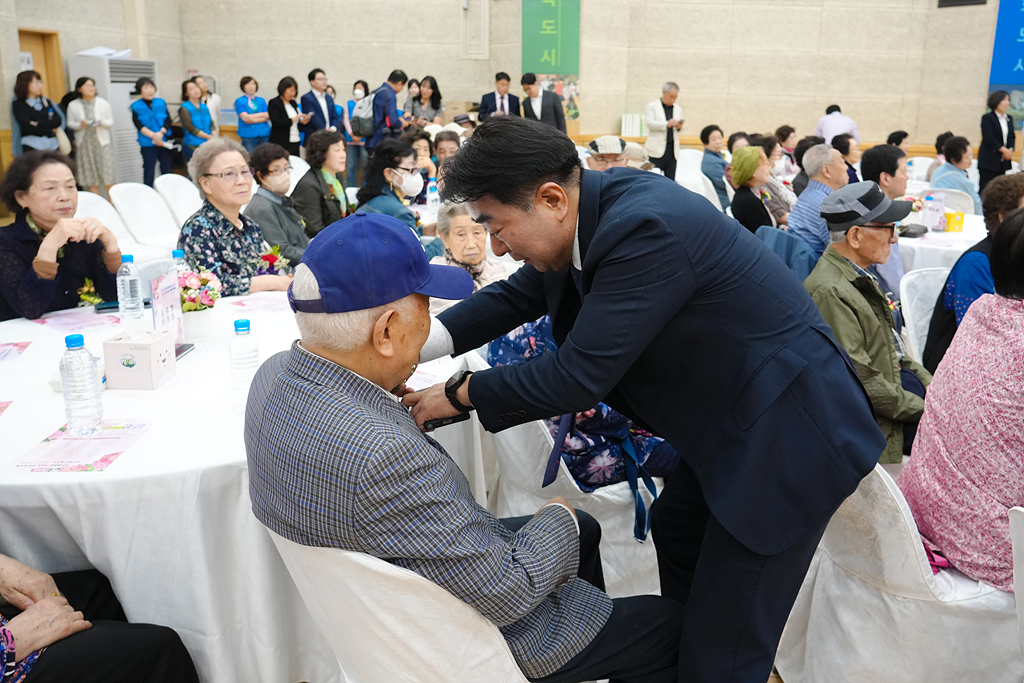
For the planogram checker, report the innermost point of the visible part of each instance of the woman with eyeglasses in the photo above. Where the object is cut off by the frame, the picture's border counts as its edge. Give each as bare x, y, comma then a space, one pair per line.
392, 179
271, 208
319, 196
218, 237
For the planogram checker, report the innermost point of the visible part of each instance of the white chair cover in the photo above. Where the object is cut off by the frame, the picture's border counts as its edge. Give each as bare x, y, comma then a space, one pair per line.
711, 193
688, 162
919, 290
146, 214
583, 153
386, 623
870, 608
299, 168
955, 199
181, 195
919, 167
630, 568
152, 270
94, 206
350, 194
1017, 539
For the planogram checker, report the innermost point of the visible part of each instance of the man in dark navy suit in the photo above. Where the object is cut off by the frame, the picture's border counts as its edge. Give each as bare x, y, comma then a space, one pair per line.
499, 102
669, 311
321, 105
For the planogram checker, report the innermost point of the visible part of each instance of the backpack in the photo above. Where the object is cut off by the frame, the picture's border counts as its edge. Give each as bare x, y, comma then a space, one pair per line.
361, 121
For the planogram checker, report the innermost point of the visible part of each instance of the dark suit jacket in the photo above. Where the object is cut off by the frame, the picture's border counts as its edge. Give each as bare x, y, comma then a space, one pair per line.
315, 201
989, 157
280, 124
749, 210
550, 110
695, 329
489, 105
311, 106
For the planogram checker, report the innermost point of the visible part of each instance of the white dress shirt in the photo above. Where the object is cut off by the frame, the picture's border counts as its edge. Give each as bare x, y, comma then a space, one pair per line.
500, 100
293, 132
536, 101
321, 98
1002, 126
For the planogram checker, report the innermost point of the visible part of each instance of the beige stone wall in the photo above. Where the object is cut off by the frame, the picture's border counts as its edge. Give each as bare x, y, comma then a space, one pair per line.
743, 64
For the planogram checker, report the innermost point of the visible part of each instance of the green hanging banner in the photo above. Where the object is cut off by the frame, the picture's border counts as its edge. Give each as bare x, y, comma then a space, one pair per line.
551, 36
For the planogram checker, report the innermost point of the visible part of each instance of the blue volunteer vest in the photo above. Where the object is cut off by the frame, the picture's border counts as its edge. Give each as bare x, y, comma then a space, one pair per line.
201, 120
152, 118
252, 130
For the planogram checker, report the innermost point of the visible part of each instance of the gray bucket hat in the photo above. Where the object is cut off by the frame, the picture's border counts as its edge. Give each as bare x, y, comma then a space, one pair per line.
859, 204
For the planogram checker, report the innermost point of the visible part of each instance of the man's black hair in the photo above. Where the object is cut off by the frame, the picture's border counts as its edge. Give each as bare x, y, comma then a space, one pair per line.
1008, 256
833, 108
804, 145
509, 158
501, 76
880, 159
528, 79
397, 76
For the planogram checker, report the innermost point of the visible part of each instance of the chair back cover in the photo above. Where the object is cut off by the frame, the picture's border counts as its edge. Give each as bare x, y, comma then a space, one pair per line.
919, 290
181, 195
1017, 538
386, 623
146, 214
956, 200
792, 249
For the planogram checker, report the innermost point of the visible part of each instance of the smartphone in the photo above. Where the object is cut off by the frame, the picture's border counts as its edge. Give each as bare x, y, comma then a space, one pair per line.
431, 425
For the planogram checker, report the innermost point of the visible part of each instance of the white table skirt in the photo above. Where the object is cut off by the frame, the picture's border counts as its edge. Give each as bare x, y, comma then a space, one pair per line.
941, 249
170, 522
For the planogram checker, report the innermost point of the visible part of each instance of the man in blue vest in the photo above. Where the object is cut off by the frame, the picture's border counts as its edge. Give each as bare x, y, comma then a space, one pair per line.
672, 313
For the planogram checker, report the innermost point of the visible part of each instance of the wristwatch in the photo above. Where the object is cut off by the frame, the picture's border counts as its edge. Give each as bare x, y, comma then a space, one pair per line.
452, 386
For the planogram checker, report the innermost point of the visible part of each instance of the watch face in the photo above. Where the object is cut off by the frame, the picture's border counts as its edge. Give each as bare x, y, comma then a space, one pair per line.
453, 380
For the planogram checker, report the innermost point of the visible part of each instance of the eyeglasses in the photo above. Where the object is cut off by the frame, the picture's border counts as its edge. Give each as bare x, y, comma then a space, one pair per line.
286, 169
407, 170
888, 226
231, 175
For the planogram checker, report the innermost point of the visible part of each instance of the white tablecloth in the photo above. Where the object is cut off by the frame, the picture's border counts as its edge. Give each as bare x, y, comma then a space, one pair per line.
941, 249
170, 523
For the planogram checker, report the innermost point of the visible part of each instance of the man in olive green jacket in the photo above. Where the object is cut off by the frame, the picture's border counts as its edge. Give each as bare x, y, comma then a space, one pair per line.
861, 222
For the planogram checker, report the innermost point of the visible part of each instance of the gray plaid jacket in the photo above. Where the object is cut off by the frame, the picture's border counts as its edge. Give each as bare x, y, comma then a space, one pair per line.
334, 461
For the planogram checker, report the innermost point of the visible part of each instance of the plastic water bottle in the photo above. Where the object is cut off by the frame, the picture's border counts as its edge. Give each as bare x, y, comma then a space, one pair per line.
433, 198
245, 360
81, 387
180, 264
129, 294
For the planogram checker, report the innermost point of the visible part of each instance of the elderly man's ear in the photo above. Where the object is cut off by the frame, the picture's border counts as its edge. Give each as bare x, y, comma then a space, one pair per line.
383, 333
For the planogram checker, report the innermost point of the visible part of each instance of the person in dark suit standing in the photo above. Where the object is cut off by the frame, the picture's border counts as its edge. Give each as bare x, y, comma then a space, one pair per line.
997, 139
386, 121
320, 105
670, 312
542, 105
287, 122
499, 102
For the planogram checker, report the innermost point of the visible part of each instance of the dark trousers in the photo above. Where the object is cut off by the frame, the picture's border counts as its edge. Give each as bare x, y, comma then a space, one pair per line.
736, 601
112, 651
914, 385
986, 176
640, 641
150, 157
667, 163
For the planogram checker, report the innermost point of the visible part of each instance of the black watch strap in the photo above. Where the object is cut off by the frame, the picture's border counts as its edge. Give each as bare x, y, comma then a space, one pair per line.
451, 387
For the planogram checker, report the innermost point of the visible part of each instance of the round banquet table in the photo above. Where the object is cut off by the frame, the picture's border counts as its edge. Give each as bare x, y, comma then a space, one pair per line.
941, 249
170, 522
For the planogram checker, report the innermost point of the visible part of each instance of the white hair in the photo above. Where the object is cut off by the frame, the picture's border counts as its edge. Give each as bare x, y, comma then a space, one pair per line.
817, 158
205, 154
339, 331
669, 87
837, 236
448, 212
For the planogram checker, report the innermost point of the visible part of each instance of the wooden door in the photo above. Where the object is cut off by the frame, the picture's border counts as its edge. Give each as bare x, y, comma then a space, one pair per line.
46, 59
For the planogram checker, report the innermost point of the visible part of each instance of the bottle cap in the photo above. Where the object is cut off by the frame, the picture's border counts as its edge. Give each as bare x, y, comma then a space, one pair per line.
241, 325
74, 341
127, 258
178, 253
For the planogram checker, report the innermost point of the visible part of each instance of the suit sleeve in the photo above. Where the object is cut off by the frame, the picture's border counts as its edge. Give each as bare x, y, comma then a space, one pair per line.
486, 108
454, 542
559, 112
990, 133
392, 112
332, 111
652, 122
642, 279
495, 310
1010, 133
889, 400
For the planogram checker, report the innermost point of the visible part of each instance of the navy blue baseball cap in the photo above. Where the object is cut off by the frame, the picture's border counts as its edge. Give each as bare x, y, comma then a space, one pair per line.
369, 260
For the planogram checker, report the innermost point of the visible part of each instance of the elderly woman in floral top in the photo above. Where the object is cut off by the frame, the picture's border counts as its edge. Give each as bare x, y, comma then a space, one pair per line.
218, 237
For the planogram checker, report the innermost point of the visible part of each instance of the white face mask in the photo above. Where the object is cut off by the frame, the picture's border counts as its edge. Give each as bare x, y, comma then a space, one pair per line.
358, 93
412, 184
279, 184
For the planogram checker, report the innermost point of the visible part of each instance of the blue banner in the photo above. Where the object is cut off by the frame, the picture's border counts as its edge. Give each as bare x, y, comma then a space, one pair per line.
1008, 56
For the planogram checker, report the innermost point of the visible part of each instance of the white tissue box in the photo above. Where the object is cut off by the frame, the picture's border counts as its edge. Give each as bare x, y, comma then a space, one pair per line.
140, 360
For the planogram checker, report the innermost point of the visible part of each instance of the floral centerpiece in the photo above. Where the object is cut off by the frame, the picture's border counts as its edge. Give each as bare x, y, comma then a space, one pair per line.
199, 292
918, 202
271, 262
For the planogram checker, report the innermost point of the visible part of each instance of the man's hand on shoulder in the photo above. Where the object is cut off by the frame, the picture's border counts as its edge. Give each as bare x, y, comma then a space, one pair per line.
429, 404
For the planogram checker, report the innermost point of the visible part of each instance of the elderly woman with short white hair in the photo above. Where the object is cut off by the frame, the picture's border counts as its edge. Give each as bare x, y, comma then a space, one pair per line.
465, 246
218, 237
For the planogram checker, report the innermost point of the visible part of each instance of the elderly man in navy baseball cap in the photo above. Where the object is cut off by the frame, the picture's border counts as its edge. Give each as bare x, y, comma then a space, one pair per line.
336, 461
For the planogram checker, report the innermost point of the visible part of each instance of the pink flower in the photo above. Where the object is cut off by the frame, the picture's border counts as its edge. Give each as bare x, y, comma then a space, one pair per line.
213, 282
205, 298
192, 281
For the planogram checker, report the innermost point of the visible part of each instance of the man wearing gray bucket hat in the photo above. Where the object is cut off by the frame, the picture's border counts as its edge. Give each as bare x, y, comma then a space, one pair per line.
861, 223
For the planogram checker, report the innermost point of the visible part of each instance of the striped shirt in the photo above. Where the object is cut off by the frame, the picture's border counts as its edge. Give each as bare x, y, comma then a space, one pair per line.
336, 461
805, 219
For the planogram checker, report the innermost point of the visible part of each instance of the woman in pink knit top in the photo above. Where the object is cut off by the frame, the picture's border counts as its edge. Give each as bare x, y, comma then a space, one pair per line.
967, 467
